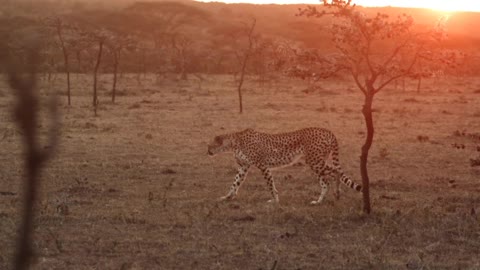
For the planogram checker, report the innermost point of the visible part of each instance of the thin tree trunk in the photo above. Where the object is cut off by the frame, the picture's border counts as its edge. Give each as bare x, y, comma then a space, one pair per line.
218, 64
144, 64
244, 65
97, 65
367, 113
115, 71
239, 89
138, 77
51, 64
65, 59
183, 66
68, 83
78, 55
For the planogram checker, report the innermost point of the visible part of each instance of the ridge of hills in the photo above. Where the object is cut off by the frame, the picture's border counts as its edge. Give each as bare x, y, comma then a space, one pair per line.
272, 20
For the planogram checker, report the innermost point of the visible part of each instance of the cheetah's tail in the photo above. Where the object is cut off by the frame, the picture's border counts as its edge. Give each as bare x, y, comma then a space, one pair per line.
350, 183
347, 181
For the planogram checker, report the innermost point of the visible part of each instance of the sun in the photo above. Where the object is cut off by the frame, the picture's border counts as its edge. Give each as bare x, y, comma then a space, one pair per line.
440, 5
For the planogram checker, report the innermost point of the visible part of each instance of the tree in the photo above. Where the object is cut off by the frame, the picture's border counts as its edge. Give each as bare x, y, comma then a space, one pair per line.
369, 49
246, 55
79, 48
67, 36
160, 20
97, 39
181, 44
262, 57
168, 29
116, 44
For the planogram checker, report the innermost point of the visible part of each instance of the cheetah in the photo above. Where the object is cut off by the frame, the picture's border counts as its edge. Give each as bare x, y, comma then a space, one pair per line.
267, 151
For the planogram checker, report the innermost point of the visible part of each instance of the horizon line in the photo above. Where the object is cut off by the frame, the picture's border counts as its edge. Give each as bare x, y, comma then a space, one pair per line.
311, 2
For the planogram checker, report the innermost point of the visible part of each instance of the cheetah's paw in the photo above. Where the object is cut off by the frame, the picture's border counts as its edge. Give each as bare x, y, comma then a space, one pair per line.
226, 198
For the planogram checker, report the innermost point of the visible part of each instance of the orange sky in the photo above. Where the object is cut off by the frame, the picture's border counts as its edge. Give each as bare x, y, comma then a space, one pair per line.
443, 5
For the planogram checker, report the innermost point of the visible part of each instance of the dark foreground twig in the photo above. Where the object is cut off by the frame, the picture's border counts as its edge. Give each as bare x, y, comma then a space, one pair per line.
4, 136
22, 80
274, 266
7, 193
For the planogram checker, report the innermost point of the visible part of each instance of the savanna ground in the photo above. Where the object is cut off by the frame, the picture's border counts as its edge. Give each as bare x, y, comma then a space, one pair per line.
134, 189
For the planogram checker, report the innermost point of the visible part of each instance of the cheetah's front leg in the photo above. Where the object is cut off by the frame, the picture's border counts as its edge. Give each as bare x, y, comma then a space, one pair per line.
239, 178
270, 183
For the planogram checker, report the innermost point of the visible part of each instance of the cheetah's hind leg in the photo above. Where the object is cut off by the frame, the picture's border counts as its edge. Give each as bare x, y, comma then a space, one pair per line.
336, 192
321, 172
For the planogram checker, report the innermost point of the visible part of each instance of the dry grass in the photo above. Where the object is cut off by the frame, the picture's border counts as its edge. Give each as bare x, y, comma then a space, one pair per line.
133, 188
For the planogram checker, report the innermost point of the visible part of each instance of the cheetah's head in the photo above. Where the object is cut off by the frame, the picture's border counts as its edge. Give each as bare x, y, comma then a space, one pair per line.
220, 144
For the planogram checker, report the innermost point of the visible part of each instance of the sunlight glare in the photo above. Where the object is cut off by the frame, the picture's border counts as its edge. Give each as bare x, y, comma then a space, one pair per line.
440, 5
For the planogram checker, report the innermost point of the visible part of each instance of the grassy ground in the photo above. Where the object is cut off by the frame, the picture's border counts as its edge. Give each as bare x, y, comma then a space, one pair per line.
134, 189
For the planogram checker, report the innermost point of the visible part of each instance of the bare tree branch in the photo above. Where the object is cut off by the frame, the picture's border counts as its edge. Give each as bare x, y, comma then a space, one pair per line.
403, 74
357, 82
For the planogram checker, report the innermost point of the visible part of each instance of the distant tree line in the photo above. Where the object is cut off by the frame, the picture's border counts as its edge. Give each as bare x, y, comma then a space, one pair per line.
160, 37
180, 38
145, 37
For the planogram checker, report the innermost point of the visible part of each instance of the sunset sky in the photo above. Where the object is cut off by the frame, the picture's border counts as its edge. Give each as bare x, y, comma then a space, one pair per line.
443, 5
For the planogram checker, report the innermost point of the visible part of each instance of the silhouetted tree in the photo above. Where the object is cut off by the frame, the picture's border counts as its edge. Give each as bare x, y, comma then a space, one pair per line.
97, 39
369, 49
181, 44
246, 55
116, 45
67, 35
262, 51
162, 26
100, 41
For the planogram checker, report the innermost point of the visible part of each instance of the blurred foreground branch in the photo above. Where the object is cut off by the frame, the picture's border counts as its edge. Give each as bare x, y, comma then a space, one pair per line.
22, 80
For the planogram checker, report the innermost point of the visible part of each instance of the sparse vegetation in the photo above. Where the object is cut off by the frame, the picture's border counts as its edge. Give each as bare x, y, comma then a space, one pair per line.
383, 153
134, 189
423, 138
413, 100
475, 162
106, 177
